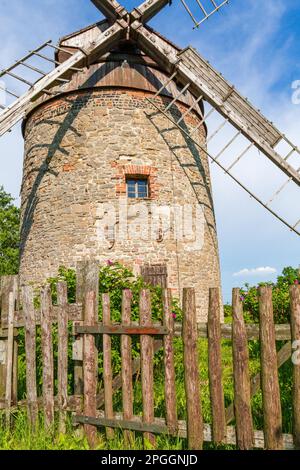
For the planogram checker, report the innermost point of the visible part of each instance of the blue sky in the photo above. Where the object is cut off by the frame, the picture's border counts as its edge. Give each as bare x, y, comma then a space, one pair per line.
255, 45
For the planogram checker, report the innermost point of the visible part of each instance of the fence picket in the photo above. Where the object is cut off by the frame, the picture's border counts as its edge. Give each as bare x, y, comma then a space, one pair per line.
47, 353
191, 371
215, 367
62, 373
170, 385
242, 388
269, 372
295, 329
9, 356
30, 346
126, 355
147, 356
90, 362
107, 366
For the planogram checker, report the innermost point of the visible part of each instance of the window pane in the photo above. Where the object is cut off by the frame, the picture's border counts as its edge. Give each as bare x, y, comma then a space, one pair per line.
137, 188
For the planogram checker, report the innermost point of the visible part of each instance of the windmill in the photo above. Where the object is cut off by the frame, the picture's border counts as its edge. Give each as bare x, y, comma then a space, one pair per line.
184, 90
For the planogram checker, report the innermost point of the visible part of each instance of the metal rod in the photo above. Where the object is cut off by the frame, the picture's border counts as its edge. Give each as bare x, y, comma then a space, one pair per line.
240, 156
31, 67
9, 92
165, 85
297, 223
211, 13
278, 191
19, 78
292, 228
203, 120
76, 69
228, 145
60, 49
217, 130
26, 57
177, 97
202, 7
189, 11
190, 108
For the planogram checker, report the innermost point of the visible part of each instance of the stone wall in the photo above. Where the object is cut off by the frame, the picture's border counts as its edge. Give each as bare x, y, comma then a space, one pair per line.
78, 150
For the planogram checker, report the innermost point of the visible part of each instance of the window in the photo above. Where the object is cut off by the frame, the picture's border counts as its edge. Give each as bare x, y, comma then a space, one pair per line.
137, 187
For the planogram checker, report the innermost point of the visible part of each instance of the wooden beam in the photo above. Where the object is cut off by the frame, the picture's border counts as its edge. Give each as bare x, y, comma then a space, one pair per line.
120, 330
111, 9
160, 426
147, 10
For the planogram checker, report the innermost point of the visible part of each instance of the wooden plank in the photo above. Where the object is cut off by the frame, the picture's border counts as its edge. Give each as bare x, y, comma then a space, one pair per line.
107, 366
283, 332
10, 356
160, 427
215, 367
47, 357
283, 355
90, 363
117, 381
30, 347
242, 390
78, 340
111, 9
170, 384
191, 371
269, 372
126, 371
114, 329
62, 300
295, 329
147, 357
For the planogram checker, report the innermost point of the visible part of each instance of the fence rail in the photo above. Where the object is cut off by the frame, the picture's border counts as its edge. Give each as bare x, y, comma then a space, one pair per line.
48, 334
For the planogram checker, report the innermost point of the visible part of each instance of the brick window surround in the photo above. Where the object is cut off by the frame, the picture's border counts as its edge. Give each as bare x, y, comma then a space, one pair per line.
123, 172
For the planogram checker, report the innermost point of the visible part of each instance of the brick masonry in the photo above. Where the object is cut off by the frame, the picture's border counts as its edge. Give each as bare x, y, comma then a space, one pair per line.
79, 148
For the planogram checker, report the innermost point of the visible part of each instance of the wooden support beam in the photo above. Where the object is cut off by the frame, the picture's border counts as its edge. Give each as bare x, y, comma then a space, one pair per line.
147, 10
111, 9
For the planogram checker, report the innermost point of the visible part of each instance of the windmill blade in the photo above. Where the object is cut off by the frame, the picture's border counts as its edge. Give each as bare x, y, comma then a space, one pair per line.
148, 10
202, 10
111, 9
17, 110
244, 121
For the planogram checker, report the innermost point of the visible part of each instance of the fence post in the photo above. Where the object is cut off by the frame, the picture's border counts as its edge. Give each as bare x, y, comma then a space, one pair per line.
10, 356
269, 372
147, 357
62, 373
215, 367
47, 357
295, 330
242, 388
191, 371
90, 363
78, 341
30, 346
107, 368
170, 385
126, 353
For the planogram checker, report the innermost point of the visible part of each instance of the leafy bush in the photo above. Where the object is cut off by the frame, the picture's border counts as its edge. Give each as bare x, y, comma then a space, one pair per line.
281, 299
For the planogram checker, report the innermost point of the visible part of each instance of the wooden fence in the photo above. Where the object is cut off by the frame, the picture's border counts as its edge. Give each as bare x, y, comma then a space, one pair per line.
92, 405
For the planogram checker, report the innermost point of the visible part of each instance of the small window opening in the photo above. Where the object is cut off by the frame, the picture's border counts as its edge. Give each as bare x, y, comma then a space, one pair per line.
137, 188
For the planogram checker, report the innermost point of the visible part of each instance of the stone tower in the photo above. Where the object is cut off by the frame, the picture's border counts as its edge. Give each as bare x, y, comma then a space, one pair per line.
107, 177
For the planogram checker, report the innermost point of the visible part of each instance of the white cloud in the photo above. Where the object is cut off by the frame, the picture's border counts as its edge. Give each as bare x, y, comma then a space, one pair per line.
261, 271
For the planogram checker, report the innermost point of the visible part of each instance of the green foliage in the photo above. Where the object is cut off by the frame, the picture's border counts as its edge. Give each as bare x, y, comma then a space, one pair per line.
9, 234
281, 300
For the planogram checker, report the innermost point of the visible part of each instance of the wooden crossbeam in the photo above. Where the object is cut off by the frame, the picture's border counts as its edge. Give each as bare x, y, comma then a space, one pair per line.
111, 9
147, 10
